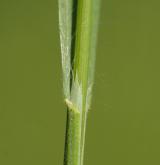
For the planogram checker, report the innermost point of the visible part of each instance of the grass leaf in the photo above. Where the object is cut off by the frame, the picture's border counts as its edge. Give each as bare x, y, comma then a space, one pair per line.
65, 25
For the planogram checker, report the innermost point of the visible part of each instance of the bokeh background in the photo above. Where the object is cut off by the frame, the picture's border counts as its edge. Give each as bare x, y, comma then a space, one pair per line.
124, 121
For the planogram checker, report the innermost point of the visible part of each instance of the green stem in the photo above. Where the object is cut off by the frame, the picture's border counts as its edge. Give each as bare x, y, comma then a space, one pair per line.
82, 60
73, 135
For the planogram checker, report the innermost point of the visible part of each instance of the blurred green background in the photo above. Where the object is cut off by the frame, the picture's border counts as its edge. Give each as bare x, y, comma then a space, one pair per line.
124, 122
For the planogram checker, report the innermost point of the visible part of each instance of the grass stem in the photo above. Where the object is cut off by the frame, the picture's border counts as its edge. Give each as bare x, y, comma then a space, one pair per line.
78, 39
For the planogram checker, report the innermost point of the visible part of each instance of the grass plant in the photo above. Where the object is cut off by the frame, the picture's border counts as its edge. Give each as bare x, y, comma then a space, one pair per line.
78, 20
